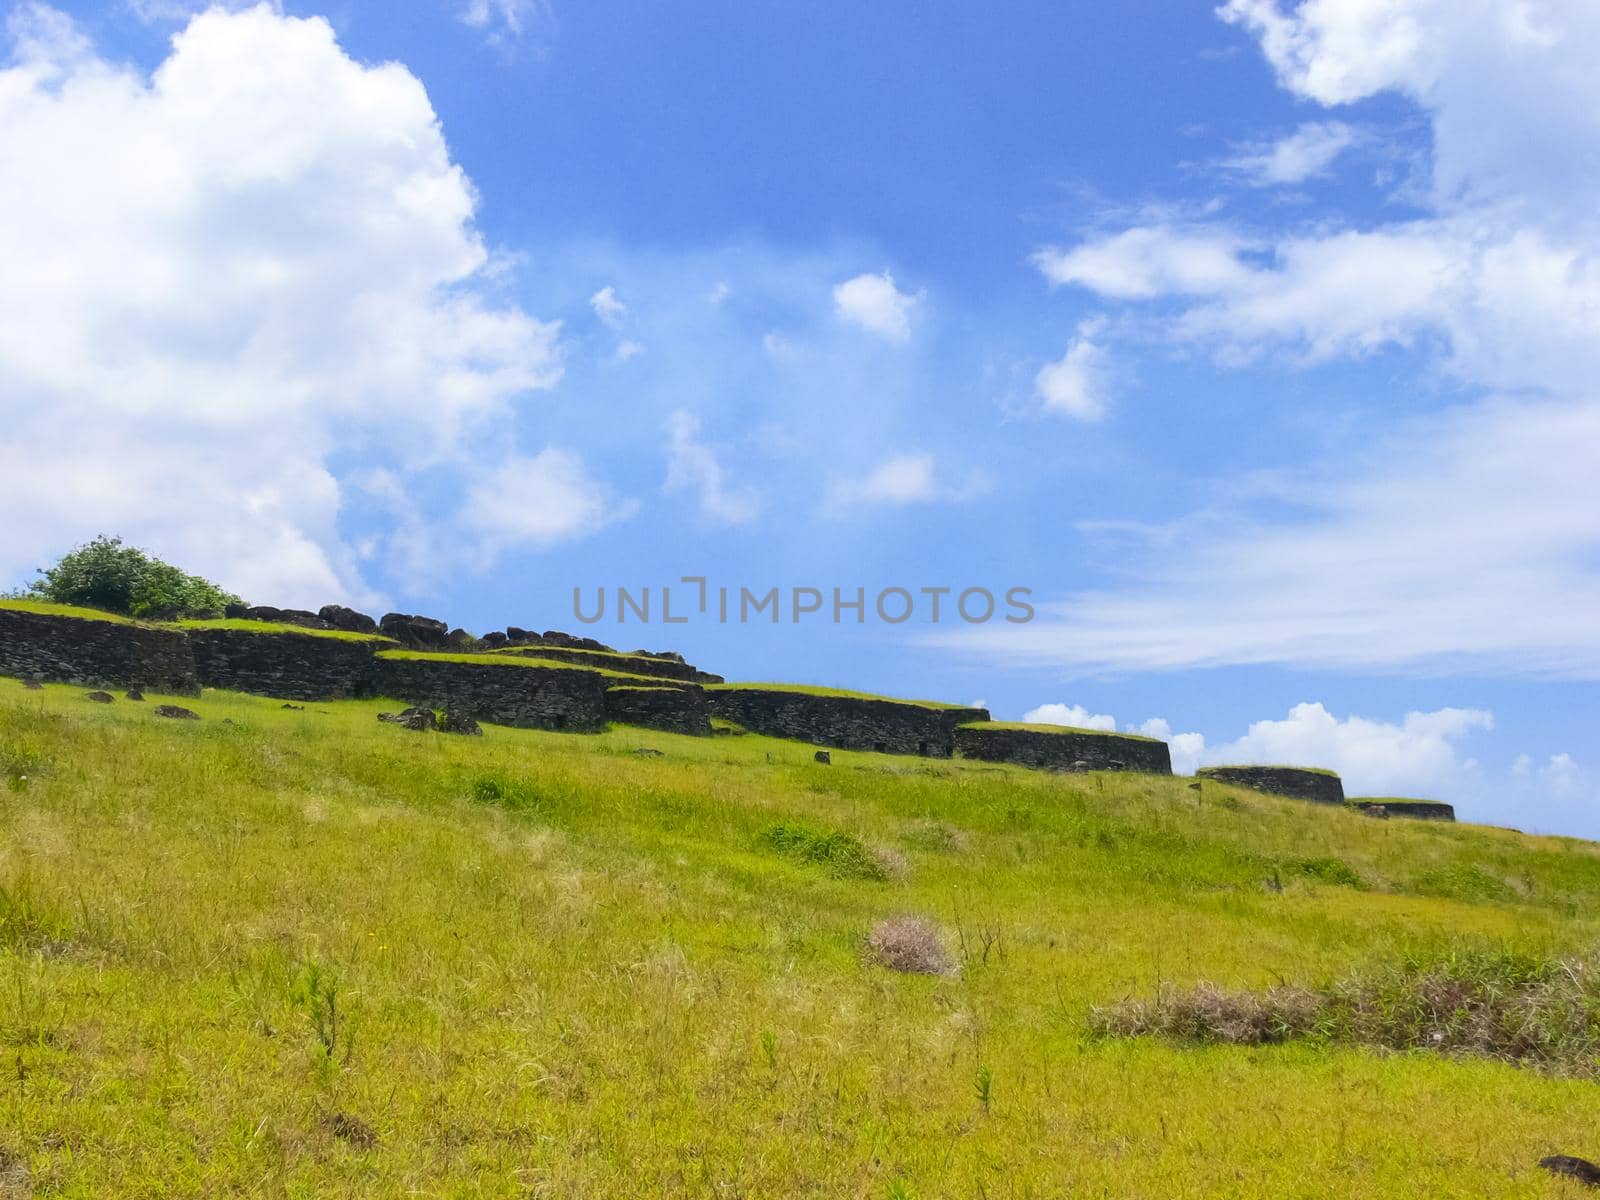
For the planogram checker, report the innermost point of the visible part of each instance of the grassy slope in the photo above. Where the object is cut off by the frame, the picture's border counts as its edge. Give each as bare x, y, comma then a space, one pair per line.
575, 971
46, 608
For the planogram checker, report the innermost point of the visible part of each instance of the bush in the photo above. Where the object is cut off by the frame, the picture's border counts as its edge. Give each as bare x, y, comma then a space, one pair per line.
844, 856
1501, 1004
108, 575
908, 944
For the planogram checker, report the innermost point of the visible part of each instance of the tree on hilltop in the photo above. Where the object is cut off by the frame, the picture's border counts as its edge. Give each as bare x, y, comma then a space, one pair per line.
110, 575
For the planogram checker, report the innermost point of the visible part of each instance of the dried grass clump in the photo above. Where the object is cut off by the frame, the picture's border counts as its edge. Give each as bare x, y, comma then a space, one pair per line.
908, 944
1518, 1008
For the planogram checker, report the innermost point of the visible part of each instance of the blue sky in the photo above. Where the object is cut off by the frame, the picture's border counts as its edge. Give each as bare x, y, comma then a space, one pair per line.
1258, 341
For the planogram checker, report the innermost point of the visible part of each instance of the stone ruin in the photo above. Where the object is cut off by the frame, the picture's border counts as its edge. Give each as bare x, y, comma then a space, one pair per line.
558, 681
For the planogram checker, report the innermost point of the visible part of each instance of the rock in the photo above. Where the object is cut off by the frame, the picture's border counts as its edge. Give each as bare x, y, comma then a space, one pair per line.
33, 685
176, 712
337, 616
419, 719
284, 616
133, 694
460, 639
648, 752
495, 640
419, 633
1377, 811
519, 637
823, 757
235, 611
296, 707
554, 637
1581, 1169
99, 697
455, 721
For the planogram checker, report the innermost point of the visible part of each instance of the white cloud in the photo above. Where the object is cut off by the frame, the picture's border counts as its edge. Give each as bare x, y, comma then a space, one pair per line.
1457, 539
692, 465
1417, 756
608, 308
1075, 384
1150, 261
902, 479
627, 349
220, 275
876, 305
539, 501
1074, 715
1305, 154
505, 20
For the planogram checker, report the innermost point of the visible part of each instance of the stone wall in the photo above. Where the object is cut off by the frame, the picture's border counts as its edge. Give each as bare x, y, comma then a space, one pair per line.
631, 664
501, 692
292, 666
1063, 749
95, 653
674, 710
1421, 810
1317, 786
844, 721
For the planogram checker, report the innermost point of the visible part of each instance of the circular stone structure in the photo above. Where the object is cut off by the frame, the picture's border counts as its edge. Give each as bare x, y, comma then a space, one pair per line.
1301, 783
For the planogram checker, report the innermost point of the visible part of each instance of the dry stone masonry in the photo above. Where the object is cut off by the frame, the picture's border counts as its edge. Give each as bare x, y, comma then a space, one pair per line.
1060, 749
95, 651
560, 681
843, 720
1301, 783
1401, 806
670, 709
290, 666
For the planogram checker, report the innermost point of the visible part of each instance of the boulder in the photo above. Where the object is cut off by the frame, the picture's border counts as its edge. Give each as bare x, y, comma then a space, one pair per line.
283, 616
519, 637
554, 637
133, 694
823, 757
337, 616
176, 712
419, 719
460, 639
495, 640
99, 697
454, 720
33, 685
419, 633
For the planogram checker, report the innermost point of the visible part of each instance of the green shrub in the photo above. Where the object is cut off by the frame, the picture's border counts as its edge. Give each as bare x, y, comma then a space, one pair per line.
108, 575
843, 855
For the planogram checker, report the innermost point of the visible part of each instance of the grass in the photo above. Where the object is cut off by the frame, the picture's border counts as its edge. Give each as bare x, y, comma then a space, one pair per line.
493, 660
1020, 727
805, 689
307, 954
1365, 801
582, 651
1266, 767
47, 609
240, 625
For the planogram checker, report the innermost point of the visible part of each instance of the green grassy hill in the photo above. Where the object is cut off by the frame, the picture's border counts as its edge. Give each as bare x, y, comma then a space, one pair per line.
298, 952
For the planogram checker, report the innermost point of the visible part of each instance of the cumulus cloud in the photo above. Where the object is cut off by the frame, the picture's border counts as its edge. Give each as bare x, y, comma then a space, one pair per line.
608, 307
1305, 154
1454, 541
902, 479
504, 21
693, 466
875, 304
1416, 756
1073, 715
538, 501
219, 277
1075, 384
